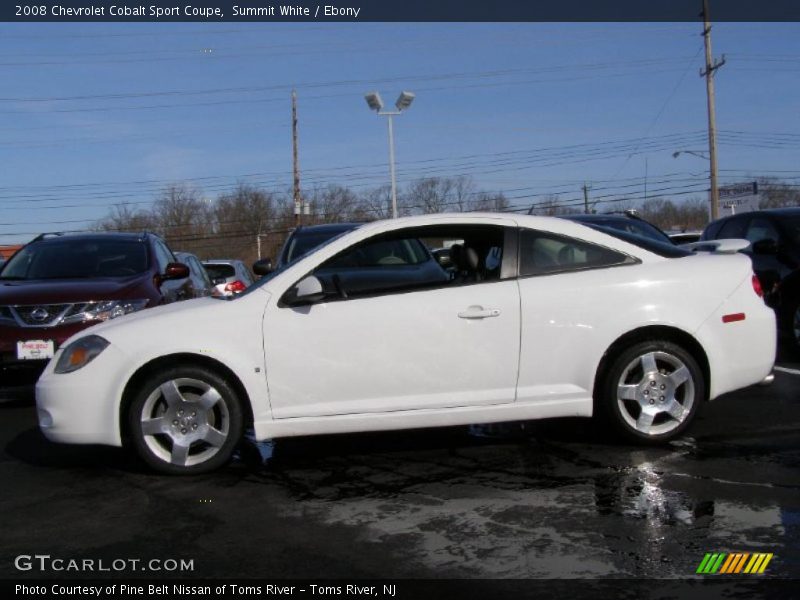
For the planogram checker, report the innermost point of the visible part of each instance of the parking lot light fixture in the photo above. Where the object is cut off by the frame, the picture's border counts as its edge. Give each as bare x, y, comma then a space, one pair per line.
699, 153
403, 103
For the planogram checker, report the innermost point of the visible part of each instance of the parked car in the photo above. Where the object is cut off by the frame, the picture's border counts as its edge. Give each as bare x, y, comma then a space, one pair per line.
565, 320
301, 241
626, 221
774, 237
229, 276
198, 284
58, 285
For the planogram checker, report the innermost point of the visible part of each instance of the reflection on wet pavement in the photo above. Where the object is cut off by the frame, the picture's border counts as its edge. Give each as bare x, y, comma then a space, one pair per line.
516, 503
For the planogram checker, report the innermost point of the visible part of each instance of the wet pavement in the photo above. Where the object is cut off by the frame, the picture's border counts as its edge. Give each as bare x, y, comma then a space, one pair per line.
548, 499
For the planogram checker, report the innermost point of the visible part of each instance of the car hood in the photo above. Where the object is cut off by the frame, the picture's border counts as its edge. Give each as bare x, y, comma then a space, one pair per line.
201, 316
61, 291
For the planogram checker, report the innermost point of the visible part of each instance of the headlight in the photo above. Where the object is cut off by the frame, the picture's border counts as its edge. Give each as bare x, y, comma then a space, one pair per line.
80, 353
102, 310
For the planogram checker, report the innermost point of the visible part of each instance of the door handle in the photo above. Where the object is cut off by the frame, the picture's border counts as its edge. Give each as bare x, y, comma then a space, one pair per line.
478, 312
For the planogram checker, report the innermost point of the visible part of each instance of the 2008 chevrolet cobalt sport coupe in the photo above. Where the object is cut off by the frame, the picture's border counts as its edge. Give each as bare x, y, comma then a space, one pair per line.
534, 317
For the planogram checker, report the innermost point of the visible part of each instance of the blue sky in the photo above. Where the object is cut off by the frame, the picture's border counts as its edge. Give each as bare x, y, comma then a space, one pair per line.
93, 115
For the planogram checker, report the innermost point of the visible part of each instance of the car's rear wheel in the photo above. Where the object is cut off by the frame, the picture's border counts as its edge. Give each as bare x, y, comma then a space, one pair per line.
651, 392
185, 420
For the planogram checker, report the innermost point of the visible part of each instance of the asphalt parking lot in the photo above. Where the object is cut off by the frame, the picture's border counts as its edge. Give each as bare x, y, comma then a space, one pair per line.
546, 499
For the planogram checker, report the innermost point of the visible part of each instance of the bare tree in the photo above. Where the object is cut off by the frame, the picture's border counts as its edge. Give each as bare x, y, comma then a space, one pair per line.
242, 217
183, 217
377, 204
777, 194
441, 194
552, 206
123, 218
333, 204
491, 202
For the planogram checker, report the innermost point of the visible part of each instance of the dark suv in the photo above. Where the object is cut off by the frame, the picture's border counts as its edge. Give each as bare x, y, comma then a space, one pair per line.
301, 241
59, 284
774, 237
627, 221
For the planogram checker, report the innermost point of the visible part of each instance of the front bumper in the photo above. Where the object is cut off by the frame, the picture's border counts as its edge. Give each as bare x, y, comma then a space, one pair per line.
83, 407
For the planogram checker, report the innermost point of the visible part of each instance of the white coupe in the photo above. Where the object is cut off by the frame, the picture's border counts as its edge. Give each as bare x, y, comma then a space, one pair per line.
535, 317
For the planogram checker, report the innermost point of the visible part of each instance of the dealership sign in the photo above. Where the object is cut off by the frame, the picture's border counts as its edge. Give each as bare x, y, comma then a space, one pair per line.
738, 198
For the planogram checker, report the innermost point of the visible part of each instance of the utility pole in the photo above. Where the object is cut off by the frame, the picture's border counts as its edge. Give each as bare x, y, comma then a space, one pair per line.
708, 73
586, 189
298, 207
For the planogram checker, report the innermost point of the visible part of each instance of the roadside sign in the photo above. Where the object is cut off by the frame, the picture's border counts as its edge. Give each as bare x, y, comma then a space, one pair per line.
738, 198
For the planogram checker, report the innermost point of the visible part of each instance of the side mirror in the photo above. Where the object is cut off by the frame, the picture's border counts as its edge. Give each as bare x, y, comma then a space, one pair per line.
306, 291
263, 267
765, 246
175, 271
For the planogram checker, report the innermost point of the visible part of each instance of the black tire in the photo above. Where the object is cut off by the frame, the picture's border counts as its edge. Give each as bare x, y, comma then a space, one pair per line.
633, 393
195, 431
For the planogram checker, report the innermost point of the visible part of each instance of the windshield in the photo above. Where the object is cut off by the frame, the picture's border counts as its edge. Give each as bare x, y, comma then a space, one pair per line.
791, 227
73, 259
666, 249
219, 271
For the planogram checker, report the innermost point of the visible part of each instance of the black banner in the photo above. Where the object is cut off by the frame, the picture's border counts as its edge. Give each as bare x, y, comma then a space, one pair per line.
400, 10
479, 589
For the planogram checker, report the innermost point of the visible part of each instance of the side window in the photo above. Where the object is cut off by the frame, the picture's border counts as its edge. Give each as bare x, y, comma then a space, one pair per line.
541, 253
403, 260
761, 229
202, 273
733, 229
247, 279
163, 256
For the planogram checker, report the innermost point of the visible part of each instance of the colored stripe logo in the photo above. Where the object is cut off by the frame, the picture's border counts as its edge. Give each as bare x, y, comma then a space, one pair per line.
734, 563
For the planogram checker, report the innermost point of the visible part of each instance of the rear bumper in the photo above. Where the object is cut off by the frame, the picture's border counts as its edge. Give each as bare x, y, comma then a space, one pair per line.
740, 353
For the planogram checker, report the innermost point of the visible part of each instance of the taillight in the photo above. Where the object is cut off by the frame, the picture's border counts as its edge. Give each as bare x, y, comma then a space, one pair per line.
235, 287
757, 286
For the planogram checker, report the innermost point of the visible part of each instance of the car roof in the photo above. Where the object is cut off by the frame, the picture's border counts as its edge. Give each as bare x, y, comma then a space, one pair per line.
601, 218
94, 236
222, 261
327, 227
785, 211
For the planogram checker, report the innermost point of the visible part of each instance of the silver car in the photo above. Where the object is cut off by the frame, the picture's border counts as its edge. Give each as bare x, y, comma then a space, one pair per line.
228, 276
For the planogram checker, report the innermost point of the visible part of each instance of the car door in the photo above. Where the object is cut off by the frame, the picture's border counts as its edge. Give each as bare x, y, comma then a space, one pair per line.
419, 338
570, 292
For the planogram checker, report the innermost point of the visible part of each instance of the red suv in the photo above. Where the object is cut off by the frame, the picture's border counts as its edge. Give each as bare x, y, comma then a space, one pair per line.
59, 284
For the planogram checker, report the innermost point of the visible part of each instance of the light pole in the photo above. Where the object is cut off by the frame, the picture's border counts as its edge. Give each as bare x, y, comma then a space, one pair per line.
403, 102
700, 153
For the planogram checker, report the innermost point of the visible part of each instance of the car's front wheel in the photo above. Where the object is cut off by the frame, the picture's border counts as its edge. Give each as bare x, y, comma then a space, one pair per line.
185, 420
651, 392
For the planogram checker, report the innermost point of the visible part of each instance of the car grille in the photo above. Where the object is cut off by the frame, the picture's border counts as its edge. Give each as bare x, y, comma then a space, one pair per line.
38, 315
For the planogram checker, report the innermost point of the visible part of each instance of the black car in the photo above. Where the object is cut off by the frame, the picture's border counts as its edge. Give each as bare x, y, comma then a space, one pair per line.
774, 237
301, 241
622, 222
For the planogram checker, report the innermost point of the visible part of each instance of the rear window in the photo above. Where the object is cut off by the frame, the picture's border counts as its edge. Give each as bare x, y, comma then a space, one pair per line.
541, 253
216, 271
665, 249
77, 259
